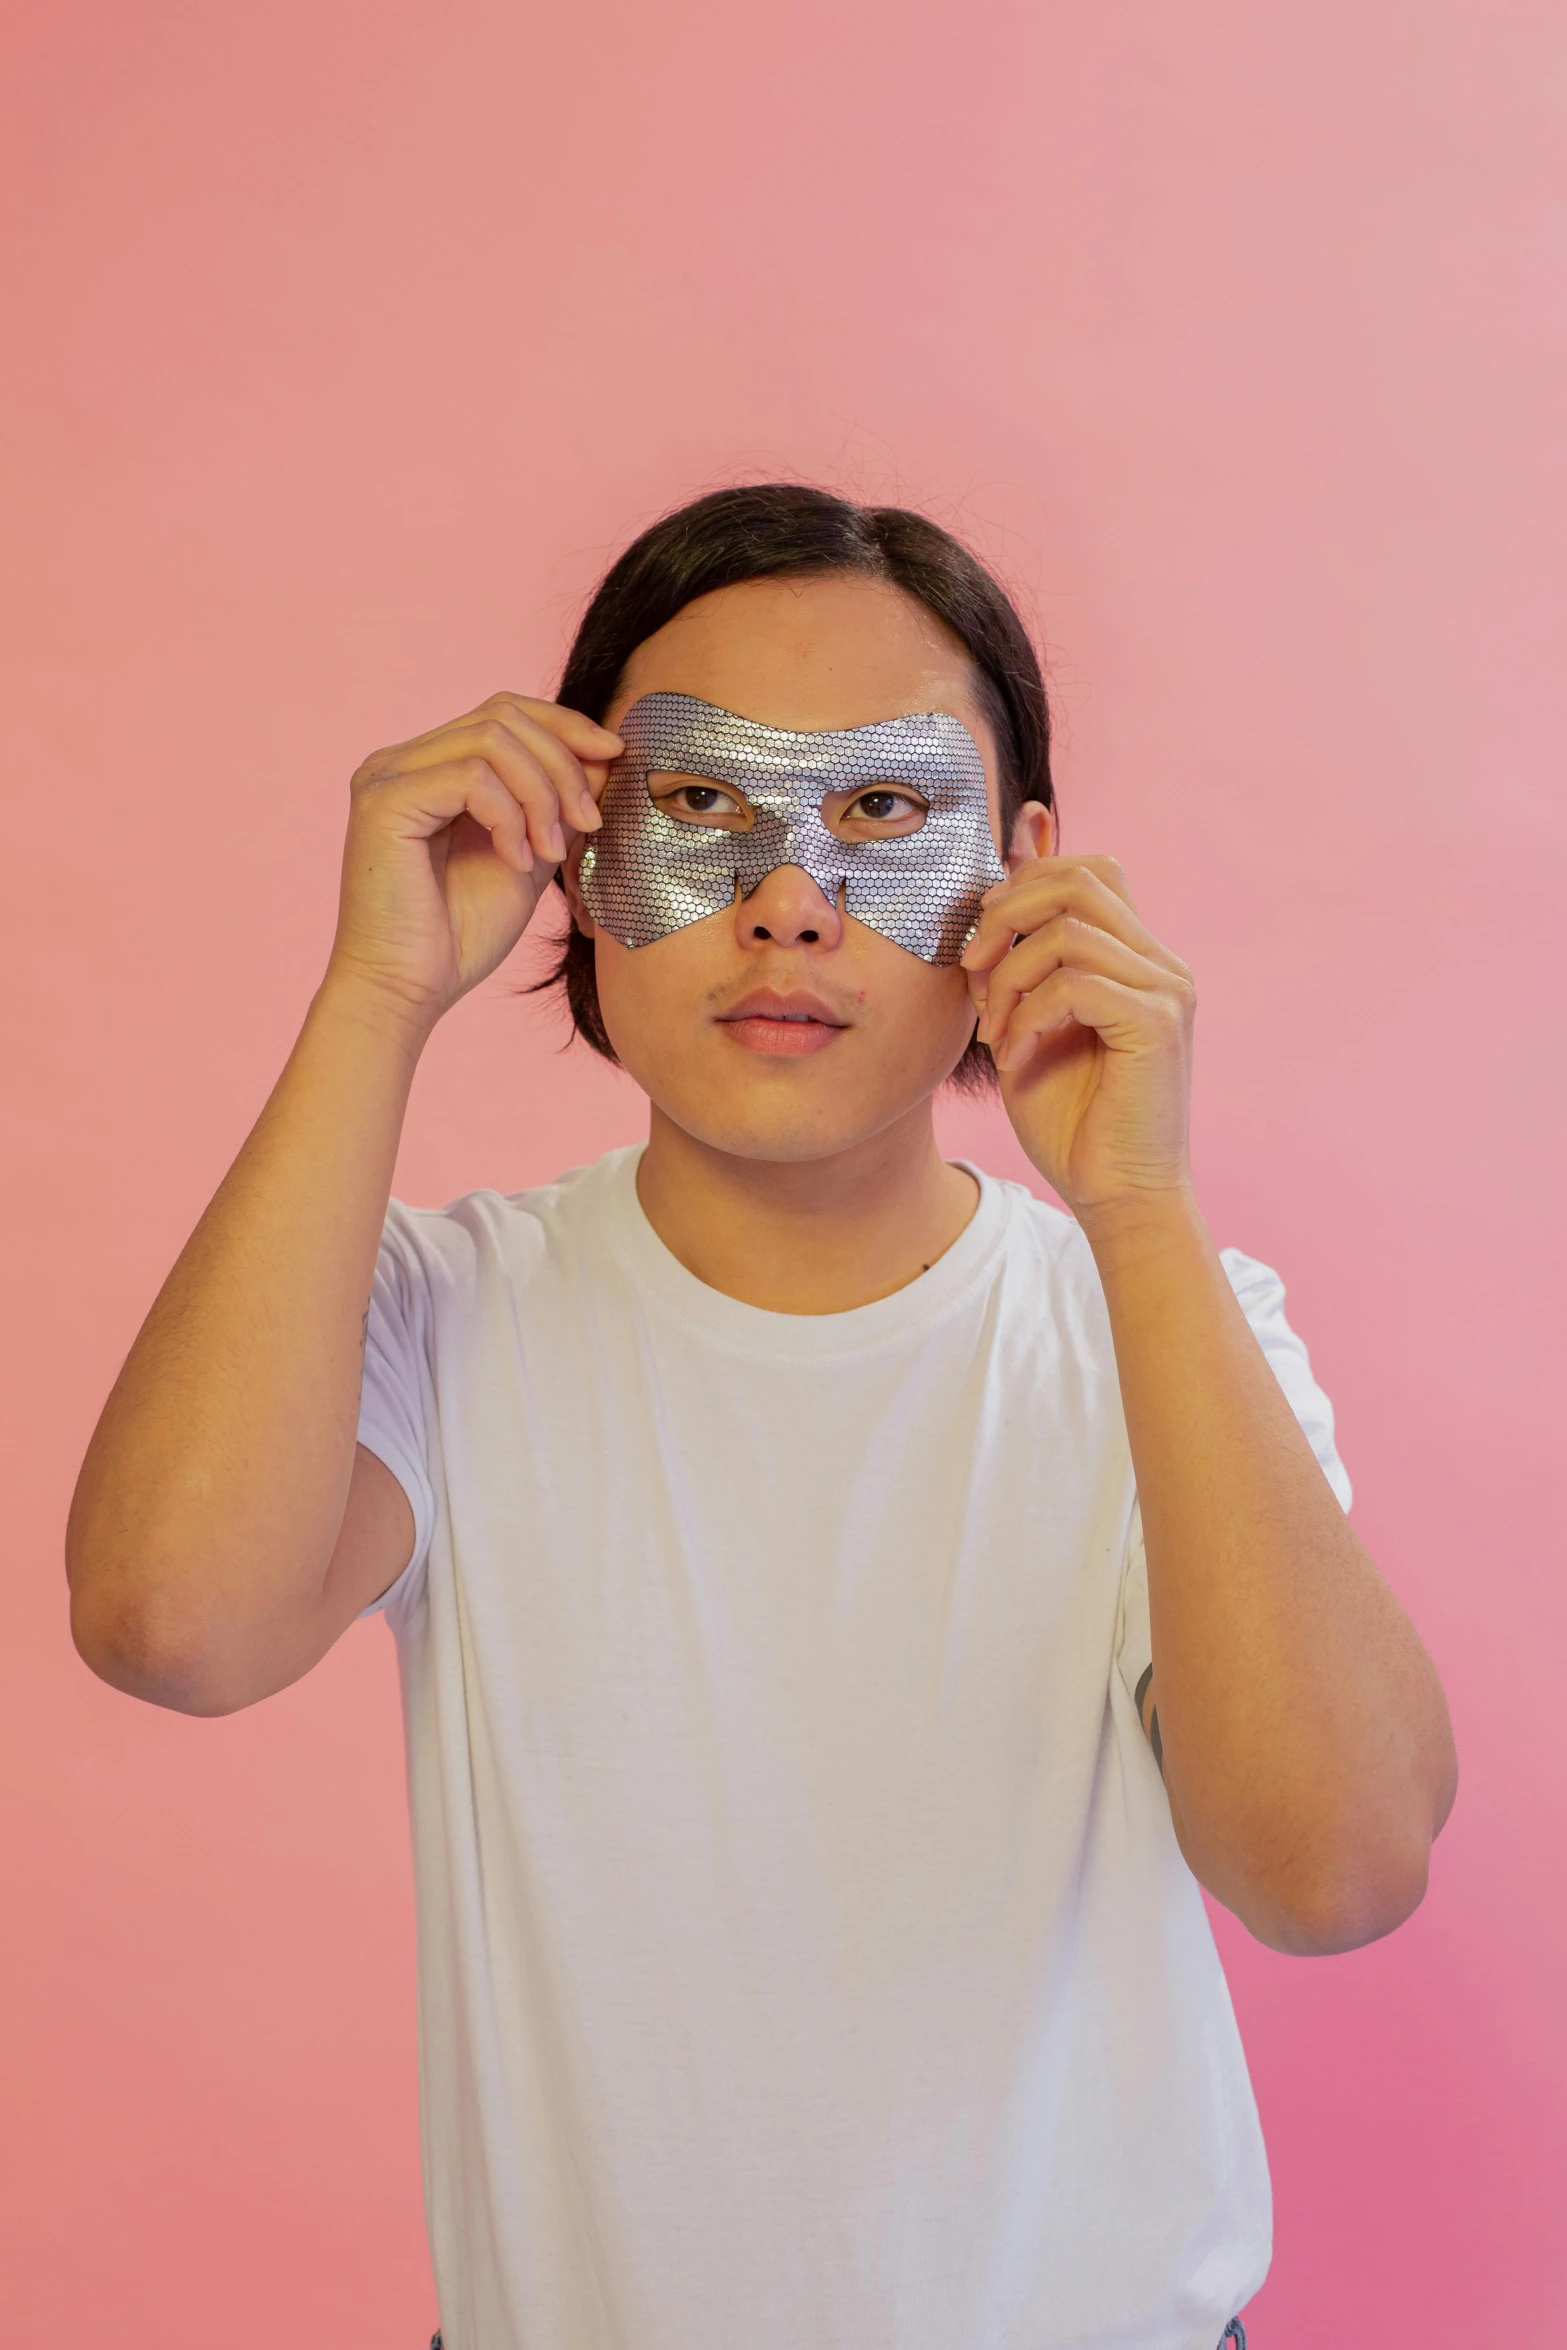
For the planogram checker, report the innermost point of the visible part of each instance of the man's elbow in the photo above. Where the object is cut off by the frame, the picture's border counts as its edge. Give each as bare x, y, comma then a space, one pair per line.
1316, 1879
1344, 1908
1370, 1871
156, 1651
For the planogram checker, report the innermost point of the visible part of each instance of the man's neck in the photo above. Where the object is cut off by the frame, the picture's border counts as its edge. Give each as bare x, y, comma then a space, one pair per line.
814, 1236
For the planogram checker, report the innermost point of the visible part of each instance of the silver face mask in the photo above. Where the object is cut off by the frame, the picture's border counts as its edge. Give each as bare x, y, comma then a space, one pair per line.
647, 873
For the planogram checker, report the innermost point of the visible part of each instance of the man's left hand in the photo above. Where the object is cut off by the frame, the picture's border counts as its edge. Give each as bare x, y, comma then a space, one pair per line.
1089, 1019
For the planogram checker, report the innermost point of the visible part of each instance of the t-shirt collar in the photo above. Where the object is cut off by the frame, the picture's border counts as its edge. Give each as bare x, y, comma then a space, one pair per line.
967, 1265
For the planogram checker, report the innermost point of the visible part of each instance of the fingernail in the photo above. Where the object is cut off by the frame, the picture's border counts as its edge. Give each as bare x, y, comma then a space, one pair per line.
557, 843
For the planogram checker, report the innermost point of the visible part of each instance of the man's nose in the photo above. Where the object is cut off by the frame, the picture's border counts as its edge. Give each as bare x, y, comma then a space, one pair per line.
788, 909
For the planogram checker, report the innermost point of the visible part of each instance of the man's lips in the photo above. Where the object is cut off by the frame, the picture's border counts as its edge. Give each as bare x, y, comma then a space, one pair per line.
796, 1023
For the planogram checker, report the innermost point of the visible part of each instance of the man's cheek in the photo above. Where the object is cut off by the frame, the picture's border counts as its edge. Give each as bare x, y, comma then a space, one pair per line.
661, 991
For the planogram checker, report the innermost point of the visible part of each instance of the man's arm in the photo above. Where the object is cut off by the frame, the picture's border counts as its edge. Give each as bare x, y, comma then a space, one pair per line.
1301, 1727
212, 1550
1298, 1721
225, 1527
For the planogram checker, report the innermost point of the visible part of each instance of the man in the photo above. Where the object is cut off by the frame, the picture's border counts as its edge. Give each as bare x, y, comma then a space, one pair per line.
805, 1555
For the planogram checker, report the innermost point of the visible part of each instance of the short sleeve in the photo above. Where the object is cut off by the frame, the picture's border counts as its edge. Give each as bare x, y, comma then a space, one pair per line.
396, 1394
1261, 1296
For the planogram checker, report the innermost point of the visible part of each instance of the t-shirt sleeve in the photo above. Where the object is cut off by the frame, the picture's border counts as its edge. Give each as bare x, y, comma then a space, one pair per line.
396, 1395
1261, 1296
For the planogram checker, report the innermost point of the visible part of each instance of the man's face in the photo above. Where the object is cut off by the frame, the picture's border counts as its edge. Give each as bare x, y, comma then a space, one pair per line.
782, 1028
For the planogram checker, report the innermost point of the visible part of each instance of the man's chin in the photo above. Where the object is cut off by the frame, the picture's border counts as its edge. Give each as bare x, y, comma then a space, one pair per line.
774, 1141
794, 1113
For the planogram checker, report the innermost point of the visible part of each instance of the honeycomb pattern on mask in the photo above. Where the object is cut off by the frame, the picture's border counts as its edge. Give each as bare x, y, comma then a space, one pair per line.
647, 872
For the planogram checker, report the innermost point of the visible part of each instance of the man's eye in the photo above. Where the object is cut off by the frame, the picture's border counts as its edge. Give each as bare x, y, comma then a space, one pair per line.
695, 798
884, 807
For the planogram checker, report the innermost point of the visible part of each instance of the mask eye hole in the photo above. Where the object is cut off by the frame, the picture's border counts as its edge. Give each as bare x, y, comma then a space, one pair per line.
697, 799
875, 811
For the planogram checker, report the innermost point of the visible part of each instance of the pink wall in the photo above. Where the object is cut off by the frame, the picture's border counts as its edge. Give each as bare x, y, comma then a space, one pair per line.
355, 338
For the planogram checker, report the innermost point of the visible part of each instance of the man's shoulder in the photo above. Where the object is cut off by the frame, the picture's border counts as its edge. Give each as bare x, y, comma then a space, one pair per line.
1037, 1229
1050, 1286
512, 1232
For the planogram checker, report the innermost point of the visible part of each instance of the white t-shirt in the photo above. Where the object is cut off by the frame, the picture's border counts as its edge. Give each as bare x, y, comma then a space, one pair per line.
806, 1958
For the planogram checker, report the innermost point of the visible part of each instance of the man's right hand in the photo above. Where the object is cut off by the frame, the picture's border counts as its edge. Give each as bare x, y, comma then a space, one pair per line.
452, 839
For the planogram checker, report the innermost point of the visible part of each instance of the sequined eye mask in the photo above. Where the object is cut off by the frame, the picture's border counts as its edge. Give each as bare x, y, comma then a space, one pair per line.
648, 872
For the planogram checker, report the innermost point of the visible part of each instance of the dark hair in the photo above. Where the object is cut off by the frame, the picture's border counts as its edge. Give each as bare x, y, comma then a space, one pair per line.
776, 530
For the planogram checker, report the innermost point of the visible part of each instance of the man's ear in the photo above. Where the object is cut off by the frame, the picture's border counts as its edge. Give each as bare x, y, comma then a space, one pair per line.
1034, 835
570, 879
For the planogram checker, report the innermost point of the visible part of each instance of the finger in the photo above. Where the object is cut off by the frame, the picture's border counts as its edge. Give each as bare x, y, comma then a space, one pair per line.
1105, 869
1049, 885
579, 757
492, 740
432, 798
577, 788
580, 734
1066, 942
1041, 893
1128, 1019
552, 733
574, 785
497, 731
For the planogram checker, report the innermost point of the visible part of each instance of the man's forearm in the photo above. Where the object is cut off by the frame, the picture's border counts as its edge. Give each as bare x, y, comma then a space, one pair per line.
215, 1484
1305, 1738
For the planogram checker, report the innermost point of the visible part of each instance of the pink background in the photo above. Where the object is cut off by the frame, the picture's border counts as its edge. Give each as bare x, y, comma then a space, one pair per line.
354, 340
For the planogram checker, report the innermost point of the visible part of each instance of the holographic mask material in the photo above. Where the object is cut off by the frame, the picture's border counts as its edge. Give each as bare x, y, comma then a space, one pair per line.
648, 872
